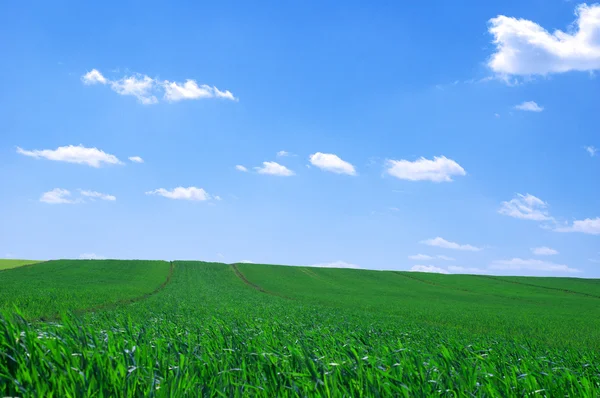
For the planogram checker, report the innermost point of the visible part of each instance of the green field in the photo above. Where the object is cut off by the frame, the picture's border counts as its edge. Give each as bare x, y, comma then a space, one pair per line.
143, 328
10, 263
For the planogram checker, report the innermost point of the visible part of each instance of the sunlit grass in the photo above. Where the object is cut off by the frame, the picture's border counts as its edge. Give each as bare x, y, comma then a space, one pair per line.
333, 333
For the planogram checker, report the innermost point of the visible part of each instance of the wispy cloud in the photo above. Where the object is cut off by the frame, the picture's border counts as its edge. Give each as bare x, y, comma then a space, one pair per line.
425, 257
592, 150
98, 195
57, 196
589, 226
282, 154
440, 169
523, 47
335, 264
532, 265
274, 168
73, 154
239, 167
181, 193
529, 106
428, 268
526, 207
332, 163
148, 90
543, 251
136, 159
91, 256
443, 243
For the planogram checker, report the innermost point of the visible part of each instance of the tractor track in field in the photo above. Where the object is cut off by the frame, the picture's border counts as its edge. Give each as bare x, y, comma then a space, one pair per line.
542, 287
120, 302
241, 276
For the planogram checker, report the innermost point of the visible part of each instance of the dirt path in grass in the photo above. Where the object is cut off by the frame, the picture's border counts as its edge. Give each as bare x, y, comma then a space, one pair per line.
119, 303
239, 274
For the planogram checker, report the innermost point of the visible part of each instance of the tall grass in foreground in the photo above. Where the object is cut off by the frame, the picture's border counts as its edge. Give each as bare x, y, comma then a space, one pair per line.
209, 334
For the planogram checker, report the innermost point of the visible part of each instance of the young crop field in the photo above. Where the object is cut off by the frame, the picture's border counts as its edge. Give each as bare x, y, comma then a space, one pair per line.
151, 328
10, 263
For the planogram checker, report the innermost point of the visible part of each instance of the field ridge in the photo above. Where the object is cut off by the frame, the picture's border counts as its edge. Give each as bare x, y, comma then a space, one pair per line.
241, 276
497, 278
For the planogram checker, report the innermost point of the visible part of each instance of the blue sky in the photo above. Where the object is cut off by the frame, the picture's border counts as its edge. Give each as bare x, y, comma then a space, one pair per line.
430, 137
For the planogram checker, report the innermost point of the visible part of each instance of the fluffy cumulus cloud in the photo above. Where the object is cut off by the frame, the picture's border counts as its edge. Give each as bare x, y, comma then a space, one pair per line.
440, 169
592, 150
424, 257
282, 154
335, 264
529, 106
275, 169
526, 207
73, 154
544, 251
239, 167
98, 195
517, 264
589, 226
136, 159
443, 243
332, 163
524, 47
147, 90
190, 193
57, 196
428, 268
93, 77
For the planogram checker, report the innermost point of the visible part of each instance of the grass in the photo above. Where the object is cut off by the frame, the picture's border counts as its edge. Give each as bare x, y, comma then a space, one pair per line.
13, 263
47, 289
287, 331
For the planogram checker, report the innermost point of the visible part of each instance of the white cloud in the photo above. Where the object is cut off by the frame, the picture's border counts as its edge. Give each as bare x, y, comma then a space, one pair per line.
239, 167
139, 86
145, 88
190, 193
246, 262
57, 196
543, 251
441, 242
190, 90
427, 257
335, 264
428, 268
91, 256
93, 77
591, 150
136, 159
440, 169
589, 226
526, 207
275, 169
94, 194
466, 270
532, 264
525, 48
529, 106
282, 154
446, 258
331, 162
73, 154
